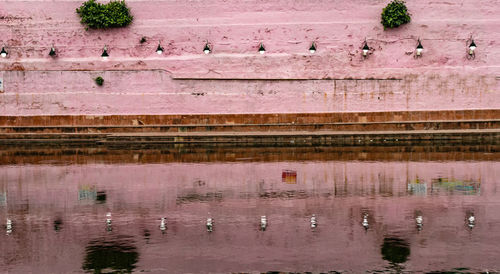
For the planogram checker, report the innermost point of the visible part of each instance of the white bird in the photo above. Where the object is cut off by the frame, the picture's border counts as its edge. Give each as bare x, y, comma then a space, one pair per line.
210, 224
108, 218
365, 221
163, 224
263, 223
419, 221
314, 222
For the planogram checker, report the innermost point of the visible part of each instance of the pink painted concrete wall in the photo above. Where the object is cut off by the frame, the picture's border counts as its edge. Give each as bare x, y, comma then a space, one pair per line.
285, 79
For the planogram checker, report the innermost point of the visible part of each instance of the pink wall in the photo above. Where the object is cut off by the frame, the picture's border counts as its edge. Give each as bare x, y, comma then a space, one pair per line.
138, 81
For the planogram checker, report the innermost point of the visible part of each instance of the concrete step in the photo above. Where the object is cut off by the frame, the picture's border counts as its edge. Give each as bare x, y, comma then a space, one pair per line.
473, 136
319, 137
270, 127
51, 136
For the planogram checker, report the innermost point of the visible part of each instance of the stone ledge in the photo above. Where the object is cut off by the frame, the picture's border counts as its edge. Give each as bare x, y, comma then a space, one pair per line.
290, 138
270, 118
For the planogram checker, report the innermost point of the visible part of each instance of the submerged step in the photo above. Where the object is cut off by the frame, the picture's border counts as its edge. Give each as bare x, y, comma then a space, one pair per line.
310, 127
293, 137
318, 137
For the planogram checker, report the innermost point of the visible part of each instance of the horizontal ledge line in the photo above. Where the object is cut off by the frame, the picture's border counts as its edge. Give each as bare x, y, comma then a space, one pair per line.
212, 21
285, 79
159, 93
300, 133
85, 70
241, 125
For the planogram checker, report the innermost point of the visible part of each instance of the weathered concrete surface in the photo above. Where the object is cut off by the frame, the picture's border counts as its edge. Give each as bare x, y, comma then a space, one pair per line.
397, 117
287, 79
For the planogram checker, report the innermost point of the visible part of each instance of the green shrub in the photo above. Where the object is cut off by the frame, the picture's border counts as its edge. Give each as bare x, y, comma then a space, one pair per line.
99, 81
395, 14
95, 15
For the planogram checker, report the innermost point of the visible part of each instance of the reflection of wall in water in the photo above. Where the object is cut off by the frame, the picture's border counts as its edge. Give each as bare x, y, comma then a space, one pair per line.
337, 179
139, 194
3, 198
193, 197
456, 186
87, 192
356, 180
386, 185
289, 176
174, 183
417, 187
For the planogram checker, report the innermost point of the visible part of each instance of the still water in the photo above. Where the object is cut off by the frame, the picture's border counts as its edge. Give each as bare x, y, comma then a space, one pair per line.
357, 209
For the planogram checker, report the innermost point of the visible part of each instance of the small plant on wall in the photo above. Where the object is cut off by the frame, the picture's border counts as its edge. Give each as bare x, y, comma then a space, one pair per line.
99, 81
395, 14
95, 15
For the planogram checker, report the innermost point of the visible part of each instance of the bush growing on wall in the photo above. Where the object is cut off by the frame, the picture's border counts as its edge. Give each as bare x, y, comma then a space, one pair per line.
395, 14
99, 81
95, 15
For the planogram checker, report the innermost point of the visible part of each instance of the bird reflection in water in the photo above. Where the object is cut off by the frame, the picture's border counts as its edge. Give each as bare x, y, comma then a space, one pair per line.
365, 223
147, 235
210, 224
314, 221
419, 221
263, 223
108, 222
116, 255
471, 221
163, 224
8, 226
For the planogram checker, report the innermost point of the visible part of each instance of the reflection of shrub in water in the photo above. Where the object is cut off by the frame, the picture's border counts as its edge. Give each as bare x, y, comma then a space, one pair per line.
58, 224
395, 250
116, 254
